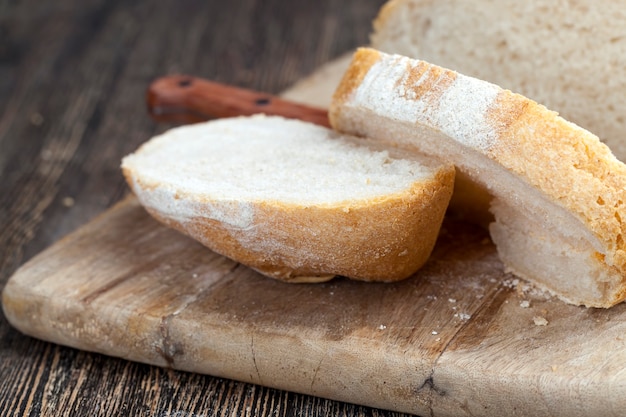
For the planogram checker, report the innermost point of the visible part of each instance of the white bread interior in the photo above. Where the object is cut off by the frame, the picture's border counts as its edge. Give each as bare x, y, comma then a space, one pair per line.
294, 201
569, 56
558, 192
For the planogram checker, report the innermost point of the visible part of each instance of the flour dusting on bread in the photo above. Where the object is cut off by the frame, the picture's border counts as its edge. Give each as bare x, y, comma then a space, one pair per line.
295, 201
569, 56
557, 193
441, 99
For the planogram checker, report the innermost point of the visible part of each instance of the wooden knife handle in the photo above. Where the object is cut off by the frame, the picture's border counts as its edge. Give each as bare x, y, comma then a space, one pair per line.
185, 99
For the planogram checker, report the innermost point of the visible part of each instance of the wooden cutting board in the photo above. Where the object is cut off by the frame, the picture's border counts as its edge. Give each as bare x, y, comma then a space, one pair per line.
460, 338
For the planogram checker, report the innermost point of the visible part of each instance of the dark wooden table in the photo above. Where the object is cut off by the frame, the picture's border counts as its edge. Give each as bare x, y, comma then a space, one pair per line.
72, 79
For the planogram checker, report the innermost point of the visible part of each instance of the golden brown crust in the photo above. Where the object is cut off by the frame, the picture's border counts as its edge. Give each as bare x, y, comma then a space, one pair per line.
361, 63
567, 163
296, 233
566, 170
387, 239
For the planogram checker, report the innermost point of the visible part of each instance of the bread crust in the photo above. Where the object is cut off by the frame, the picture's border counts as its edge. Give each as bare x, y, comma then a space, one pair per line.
569, 168
567, 163
384, 239
563, 57
329, 205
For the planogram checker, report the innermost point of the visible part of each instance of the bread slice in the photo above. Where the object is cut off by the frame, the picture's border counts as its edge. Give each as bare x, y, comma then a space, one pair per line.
292, 200
569, 56
558, 192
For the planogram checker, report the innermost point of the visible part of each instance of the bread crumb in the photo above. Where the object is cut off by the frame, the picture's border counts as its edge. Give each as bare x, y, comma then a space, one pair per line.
554, 368
404, 253
511, 282
524, 304
463, 316
67, 201
540, 321
528, 289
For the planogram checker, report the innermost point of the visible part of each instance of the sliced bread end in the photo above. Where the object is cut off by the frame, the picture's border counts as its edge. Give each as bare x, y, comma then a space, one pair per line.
294, 201
558, 193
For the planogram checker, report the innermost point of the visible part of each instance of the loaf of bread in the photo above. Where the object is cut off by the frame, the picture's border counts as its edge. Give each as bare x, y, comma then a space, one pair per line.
558, 192
569, 56
292, 200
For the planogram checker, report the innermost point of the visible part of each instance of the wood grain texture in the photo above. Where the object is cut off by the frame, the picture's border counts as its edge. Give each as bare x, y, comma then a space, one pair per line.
126, 286
460, 338
73, 76
71, 97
